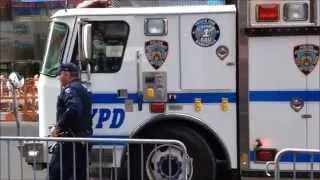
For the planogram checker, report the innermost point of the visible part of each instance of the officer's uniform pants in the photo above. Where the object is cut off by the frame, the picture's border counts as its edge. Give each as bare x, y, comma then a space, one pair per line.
67, 162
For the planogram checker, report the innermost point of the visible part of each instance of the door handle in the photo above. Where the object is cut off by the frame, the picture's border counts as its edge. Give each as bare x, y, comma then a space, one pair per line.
122, 93
230, 63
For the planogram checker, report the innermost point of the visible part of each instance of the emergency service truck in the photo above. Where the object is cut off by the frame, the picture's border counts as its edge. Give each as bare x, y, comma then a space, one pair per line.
235, 81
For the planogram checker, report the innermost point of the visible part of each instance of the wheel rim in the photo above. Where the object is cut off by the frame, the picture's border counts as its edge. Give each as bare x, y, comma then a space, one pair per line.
165, 156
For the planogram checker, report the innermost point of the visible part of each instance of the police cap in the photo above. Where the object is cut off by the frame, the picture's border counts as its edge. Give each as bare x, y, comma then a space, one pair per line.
69, 67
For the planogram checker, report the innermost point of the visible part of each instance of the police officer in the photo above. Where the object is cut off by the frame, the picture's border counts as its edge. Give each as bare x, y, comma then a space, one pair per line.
95, 4
73, 120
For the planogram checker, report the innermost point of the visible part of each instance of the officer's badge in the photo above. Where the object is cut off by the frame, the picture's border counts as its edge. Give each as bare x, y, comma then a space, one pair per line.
306, 57
205, 32
156, 52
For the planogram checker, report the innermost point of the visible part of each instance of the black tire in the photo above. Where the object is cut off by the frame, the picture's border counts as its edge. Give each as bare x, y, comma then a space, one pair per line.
204, 164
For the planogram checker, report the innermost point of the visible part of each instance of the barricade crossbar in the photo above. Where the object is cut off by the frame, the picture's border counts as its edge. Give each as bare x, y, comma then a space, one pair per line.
174, 149
310, 167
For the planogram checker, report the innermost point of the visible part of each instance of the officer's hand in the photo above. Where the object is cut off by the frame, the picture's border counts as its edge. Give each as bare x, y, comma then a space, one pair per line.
54, 131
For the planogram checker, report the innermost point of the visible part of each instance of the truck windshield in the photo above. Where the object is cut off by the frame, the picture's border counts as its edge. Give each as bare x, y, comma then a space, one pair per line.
55, 48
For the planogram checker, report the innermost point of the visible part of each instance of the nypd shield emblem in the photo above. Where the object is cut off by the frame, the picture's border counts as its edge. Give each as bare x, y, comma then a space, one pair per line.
306, 57
156, 52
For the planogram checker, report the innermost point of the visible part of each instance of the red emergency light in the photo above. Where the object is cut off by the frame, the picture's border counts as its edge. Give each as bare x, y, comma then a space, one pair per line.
265, 154
267, 12
157, 107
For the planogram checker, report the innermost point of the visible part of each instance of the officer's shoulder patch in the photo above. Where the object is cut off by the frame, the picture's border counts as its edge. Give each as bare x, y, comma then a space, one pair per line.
67, 90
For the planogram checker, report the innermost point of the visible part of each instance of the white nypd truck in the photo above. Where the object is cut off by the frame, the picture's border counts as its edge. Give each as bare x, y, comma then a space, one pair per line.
235, 81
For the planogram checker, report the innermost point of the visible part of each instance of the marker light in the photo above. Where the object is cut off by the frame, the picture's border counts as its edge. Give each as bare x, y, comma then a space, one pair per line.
197, 104
244, 160
155, 27
295, 12
224, 104
267, 12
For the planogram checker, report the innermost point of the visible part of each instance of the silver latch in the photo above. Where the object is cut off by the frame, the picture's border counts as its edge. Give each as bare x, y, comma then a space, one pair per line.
306, 116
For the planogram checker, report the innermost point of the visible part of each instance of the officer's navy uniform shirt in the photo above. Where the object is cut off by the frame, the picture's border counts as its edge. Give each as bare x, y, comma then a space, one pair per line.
74, 109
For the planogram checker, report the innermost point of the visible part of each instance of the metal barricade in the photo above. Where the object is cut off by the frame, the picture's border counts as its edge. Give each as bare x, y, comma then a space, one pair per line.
30, 149
309, 167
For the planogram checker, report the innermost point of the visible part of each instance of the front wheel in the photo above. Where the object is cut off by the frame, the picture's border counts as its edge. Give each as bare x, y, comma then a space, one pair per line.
165, 162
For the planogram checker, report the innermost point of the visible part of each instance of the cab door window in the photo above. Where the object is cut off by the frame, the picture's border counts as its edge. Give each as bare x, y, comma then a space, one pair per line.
109, 41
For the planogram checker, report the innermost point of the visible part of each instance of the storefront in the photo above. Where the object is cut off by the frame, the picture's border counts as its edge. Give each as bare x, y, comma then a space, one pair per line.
23, 32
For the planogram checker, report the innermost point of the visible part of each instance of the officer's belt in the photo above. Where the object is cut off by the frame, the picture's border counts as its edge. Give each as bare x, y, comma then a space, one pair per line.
71, 133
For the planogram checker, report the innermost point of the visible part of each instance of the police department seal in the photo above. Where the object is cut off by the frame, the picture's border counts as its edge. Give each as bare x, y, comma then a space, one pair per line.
205, 32
306, 57
156, 52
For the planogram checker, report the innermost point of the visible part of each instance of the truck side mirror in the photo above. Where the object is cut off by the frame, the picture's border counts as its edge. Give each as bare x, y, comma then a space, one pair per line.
16, 80
87, 41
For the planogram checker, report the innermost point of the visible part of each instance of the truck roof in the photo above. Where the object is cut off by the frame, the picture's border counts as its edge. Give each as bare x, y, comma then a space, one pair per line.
145, 10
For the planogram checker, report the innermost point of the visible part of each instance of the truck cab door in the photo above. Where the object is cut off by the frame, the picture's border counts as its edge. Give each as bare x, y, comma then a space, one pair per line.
112, 61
